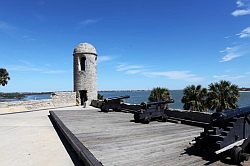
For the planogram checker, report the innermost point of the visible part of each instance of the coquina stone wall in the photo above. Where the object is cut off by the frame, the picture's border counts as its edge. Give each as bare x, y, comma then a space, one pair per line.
58, 99
85, 76
190, 115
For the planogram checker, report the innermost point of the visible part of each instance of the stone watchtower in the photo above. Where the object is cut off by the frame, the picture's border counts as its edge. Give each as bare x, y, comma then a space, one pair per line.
85, 73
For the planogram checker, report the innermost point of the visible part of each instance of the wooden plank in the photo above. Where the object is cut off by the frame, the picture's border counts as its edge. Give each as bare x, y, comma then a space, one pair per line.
116, 140
238, 143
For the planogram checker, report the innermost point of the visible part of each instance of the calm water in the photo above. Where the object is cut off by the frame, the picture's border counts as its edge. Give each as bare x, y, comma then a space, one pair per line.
30, 97
136, 97
37, 97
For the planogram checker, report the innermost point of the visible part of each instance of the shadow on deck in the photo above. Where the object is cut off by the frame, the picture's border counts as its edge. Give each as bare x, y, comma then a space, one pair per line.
207, 156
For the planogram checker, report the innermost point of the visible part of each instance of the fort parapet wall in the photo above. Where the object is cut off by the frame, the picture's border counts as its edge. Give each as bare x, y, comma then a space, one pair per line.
203, 117
58, 99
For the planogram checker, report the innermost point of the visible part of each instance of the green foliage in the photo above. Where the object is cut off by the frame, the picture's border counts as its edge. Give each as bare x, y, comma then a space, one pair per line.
12, 95
159, 94
4, 77
219, 96
194, 98
99, 97
222, 95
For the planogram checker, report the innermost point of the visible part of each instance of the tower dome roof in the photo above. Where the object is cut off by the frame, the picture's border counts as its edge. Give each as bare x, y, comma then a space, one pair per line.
85, 48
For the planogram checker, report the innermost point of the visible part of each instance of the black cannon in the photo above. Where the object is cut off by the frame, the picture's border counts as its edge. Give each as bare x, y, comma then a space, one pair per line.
152, 110
114, 103
228, 135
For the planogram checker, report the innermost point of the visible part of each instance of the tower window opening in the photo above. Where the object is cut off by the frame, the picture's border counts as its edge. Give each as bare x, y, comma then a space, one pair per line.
83, 63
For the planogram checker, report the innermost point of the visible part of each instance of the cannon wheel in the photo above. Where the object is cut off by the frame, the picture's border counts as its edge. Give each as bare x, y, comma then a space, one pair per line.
164, 118
235, 154
147, 120
136, 118
103, 109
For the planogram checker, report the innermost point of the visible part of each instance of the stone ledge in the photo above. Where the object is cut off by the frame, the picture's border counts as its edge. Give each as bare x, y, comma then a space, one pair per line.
59, 99
83, 153
195, 116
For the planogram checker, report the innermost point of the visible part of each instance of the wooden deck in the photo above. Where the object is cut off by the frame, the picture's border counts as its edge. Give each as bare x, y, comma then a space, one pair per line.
116, 140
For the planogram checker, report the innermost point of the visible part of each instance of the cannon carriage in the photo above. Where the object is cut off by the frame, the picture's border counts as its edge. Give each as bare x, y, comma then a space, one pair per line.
144, 112
152, 110
227, 135
113, 104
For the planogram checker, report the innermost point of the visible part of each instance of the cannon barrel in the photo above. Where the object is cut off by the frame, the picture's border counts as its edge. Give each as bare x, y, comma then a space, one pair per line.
158, 102
114, 103
228, 114
118, 98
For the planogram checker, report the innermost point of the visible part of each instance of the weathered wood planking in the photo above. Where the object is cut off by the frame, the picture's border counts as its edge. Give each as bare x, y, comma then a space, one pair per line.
114, 140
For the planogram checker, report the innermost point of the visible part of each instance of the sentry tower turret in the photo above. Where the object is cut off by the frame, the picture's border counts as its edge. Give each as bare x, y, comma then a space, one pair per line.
85, 73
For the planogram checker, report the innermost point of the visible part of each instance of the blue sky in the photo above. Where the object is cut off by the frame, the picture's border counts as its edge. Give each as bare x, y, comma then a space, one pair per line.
140, 44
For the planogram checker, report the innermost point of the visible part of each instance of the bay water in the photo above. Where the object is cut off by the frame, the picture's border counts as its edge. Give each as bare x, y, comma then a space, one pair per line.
137, 97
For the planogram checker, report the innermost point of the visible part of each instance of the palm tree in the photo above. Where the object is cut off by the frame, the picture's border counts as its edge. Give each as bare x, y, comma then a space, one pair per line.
223, 95
4, 77
159, 94
194, 98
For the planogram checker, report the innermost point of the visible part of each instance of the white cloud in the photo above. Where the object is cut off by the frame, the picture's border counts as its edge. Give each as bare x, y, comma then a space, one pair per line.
228, 77
23, 68
15, 32
145, 71
177, 75
125, 67
243, 8
232, 53
28, 38
241, 12
131, 69
227, 37
54, 71
26, 66
4, 26
244, 33
103, 58
136, 71
240, 3
88, 22
230, 57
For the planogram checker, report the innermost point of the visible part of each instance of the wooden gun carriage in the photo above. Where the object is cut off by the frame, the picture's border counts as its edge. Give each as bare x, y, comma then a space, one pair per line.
152, 110
228, 135
113, 104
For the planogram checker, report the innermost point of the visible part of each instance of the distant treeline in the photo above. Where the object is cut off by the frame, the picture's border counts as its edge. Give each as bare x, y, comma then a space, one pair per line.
244, 89
17, 95
12, 95
122, 90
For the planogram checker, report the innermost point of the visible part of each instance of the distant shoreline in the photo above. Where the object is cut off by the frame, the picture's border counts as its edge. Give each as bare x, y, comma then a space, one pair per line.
15, 96
133, 90
139, 90
244, 89
121, 90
